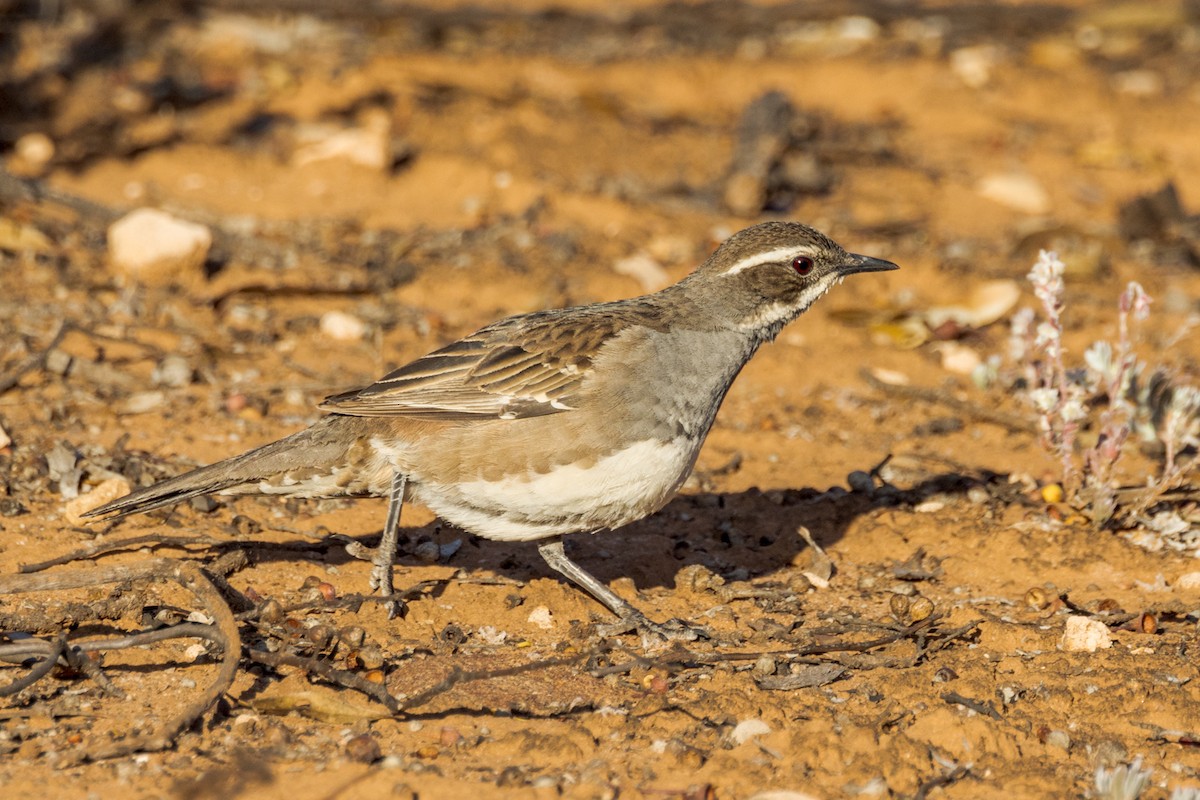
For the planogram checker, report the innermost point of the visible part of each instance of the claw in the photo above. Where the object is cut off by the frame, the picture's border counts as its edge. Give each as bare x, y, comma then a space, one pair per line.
673, 630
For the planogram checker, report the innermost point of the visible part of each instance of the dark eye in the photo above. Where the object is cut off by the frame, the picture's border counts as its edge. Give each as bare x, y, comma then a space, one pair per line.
803, 265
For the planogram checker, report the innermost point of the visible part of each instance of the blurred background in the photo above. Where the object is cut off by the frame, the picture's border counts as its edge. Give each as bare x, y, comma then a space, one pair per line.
213, 214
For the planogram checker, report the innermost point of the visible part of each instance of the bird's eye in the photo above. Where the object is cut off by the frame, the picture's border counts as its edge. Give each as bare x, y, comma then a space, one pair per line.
803, 265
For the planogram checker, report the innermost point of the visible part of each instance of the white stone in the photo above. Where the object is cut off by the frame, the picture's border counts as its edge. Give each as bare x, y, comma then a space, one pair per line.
105, 491
153, 247
35, 149
141, 402
974, 65
1016, 190
1139, 83
342, 327
174, 371
1085, 635
747, 729
1188, 581
959, 359
857, 29
542, 618
369, 145
5, 439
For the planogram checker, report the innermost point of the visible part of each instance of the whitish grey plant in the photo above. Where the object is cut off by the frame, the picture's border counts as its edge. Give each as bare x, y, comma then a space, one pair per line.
1111, 378
1122, 782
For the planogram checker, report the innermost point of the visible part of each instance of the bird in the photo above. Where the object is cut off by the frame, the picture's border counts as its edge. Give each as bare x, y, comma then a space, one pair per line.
570, 420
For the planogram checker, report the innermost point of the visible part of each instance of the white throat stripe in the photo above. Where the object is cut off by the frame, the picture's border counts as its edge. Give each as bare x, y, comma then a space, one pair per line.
759, 259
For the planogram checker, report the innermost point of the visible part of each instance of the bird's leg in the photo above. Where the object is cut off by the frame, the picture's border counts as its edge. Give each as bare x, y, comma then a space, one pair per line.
631, 618
385, 554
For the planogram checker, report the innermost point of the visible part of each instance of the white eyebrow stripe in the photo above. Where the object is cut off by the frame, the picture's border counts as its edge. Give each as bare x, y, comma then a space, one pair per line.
758, 259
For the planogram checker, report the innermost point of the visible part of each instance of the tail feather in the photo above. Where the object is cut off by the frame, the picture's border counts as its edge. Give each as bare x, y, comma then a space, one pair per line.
314, 448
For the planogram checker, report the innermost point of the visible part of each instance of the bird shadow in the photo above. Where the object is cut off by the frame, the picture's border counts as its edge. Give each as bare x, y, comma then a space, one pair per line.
737, 535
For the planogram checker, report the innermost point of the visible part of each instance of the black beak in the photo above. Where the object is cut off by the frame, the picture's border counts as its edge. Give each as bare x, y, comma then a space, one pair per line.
857, 263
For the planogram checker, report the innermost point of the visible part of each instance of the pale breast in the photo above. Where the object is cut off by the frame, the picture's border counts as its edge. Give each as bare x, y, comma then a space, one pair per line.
611, 491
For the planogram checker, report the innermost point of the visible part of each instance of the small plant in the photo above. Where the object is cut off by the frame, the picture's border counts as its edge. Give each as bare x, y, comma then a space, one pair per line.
1112, 394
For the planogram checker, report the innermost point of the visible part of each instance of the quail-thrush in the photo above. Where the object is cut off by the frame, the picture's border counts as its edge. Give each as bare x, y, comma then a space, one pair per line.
570, 420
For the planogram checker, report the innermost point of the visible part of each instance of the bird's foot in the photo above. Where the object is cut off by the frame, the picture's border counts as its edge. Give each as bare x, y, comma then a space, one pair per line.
381, 582
673, 630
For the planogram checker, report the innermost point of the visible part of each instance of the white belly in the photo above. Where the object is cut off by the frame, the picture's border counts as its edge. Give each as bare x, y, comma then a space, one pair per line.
615, 490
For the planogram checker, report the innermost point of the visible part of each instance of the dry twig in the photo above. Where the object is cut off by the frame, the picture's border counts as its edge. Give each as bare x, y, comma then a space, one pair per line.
223, 632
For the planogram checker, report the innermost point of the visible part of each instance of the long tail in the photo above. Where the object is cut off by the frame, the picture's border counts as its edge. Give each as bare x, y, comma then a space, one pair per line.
318, 448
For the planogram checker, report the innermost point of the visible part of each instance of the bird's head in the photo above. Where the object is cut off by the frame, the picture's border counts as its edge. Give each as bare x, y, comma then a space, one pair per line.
765, 276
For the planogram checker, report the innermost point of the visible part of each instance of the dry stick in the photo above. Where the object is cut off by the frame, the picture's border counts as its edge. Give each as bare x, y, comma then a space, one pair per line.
1012, 422
398, 704
939, 781
79, 660
35, 361
41, 670
27, 648
458, 675
103, 548
224, 632
683, 657
28, 190
376, 691
191, 578
350, 601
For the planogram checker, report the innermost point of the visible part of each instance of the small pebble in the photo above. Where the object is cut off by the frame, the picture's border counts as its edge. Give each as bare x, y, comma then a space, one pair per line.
105, 491
368, 145
860, 481
429, 552
974, 65
173, 371
747, 729
1188, 580
929, 507
1052, 493
979, 495
152, 247
342, 327
1017, 191
363, 749
36, 150
141, 402
1059, 739
542, 618
764, 666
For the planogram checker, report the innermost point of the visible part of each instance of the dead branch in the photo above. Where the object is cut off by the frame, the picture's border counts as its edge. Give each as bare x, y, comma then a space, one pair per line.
104, 548
35, 361
349, 680
918, 631
40, 670
223, 632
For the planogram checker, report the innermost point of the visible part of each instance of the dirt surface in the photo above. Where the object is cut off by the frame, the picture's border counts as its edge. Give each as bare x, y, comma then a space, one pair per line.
539, 155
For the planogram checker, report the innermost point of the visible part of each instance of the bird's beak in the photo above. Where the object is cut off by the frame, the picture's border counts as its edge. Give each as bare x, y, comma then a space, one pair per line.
856, 263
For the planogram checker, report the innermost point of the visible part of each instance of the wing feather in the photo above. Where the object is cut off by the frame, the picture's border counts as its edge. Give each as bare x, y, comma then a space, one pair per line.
524, 366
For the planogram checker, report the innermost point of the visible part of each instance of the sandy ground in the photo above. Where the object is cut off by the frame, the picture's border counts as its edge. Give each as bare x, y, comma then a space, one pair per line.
528, 155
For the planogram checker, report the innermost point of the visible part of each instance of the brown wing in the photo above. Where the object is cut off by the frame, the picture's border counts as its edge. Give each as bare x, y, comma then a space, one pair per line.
523, 366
